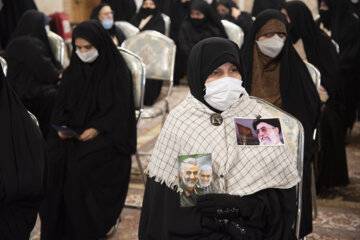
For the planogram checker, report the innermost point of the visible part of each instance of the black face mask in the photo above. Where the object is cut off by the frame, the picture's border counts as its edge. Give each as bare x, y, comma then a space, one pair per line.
198, 22
148, 11
325, 18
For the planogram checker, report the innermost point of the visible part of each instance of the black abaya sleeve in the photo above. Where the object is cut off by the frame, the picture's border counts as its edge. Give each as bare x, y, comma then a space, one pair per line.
163, 218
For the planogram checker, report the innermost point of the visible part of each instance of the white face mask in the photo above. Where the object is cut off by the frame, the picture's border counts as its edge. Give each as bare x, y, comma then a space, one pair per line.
271, 47
222, 93
88, 56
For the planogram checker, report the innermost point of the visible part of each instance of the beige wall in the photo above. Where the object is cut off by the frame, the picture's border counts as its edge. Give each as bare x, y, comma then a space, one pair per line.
50, 6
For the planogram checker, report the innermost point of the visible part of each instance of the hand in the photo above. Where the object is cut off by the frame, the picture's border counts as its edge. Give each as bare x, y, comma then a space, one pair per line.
88, 134
63, 135
235, 12
219, 205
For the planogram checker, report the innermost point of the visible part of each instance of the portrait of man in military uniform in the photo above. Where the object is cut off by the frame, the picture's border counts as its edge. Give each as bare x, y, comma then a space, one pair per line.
189, 176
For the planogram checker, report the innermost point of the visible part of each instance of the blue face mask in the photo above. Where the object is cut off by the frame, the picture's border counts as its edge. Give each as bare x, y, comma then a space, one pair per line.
107, 23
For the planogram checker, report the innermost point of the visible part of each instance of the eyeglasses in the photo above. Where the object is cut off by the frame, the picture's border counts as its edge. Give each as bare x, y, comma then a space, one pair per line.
263, 130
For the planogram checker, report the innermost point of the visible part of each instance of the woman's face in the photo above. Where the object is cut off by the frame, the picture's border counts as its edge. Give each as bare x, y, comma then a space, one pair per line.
284, 11
270, 35
225, 70
196, 14
106, 13
83, 45
323, 6
149, 4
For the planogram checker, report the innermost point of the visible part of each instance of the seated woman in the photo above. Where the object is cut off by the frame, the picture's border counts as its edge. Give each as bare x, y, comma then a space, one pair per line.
228, 10
33, 71
105, 15
22, 166
331, 167
276, 73
89, 165
149, 18
249, 201
202, 22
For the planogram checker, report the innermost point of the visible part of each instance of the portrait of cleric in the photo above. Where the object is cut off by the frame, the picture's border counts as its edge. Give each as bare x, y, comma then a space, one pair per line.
195, 178
268, 131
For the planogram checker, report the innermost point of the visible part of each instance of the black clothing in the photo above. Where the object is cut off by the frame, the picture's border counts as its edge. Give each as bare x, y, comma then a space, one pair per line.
299, 98
114, 31
331, 165
244, 20
21, 167
124, 10
88, 180
261, 5
156, 23
191, 33
272, 212
10, 15
345, 30
33, 70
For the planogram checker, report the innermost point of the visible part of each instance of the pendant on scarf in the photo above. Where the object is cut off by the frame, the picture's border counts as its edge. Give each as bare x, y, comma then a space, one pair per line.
216, 119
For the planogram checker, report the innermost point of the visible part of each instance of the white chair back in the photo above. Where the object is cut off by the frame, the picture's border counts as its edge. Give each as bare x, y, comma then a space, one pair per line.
3, 65
293, 132
157, 51
137, 69
234, 32
127, 28
167, 24
57, 46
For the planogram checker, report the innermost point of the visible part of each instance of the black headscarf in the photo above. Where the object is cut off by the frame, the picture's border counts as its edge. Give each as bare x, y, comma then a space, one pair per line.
204, 58
22, 166
244, 20
10, 15
113, 31
319, 49
124, 10
97, 94
189, 34
32, 24
261, 5
298, 94
156, 22
345, 30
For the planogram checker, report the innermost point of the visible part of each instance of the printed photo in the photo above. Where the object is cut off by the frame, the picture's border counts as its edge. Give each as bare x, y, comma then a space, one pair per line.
258, 131
195, 177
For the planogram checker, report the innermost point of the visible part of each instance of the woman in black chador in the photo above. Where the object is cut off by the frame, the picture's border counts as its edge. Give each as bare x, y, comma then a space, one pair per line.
89, 174
22, 166
276, 73
248, 200
202, 22
149, 18
105, 15
228, 10
124, 10
331, 166
33, 71
338, 17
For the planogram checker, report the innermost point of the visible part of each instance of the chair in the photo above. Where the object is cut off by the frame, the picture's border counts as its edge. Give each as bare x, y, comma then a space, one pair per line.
3, 65
158, 53
167, 24
234, 32
293, 133
137, 69
57, 46
128, 29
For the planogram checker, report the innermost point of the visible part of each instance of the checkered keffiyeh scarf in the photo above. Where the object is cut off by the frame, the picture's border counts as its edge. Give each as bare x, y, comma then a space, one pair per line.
238, 170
